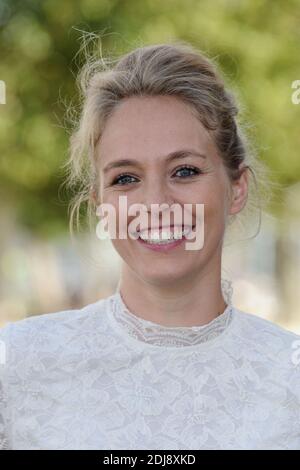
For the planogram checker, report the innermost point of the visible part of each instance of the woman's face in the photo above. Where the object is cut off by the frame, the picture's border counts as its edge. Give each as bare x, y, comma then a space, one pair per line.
146, 131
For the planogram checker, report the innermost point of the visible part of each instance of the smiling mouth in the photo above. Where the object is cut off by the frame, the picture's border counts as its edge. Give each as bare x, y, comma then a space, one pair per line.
164, 236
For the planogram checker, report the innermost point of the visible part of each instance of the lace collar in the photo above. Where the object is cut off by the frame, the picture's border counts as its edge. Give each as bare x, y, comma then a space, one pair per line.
171, 336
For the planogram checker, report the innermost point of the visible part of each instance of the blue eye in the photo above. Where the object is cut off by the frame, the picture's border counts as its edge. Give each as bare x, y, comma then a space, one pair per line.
187, 171
123, 179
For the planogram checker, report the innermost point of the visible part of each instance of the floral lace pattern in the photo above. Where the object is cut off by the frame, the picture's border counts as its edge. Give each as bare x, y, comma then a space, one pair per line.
75, 380
154, 333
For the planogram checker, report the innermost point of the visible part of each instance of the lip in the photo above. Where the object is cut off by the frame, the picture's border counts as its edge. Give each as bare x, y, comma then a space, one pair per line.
160, 227
162, 248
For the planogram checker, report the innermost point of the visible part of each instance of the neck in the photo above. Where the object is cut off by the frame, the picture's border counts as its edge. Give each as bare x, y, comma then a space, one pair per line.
188, 302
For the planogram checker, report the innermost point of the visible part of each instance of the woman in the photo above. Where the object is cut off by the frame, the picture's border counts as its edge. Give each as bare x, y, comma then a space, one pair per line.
166, 361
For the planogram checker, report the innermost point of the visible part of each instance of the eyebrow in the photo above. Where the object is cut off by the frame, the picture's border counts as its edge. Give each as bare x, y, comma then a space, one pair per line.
176, 155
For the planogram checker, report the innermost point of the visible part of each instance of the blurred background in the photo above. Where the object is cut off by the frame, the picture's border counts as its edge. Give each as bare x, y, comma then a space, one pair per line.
255, 42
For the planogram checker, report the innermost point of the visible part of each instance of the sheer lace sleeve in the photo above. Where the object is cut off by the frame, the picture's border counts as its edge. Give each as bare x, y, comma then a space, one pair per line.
4, 420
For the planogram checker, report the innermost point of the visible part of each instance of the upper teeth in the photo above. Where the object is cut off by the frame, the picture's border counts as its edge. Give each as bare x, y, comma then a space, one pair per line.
161, 235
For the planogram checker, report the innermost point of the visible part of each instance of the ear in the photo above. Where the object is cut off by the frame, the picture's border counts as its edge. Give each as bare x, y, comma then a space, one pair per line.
239, 192
93, 195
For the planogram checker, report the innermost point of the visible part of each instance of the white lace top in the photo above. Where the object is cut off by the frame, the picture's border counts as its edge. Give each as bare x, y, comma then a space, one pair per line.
103, 378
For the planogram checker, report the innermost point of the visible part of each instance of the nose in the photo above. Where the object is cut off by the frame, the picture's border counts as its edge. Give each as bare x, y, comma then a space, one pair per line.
156, 191
157, 199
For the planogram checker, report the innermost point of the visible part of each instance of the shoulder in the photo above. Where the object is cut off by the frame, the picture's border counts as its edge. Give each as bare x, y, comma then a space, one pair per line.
270, 340
256, 326
50, 330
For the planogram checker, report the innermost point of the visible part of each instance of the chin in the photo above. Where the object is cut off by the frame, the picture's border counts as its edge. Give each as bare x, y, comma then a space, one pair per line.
162, 274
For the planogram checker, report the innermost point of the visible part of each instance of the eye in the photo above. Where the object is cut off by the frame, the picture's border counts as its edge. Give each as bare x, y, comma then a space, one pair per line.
186, 171
124, 179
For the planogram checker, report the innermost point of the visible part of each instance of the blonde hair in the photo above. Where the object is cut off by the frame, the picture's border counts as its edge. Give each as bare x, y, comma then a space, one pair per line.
176, 69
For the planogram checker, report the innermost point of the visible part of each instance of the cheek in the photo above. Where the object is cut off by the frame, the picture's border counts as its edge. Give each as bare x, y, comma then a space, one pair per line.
214, 208
127, 251
116, 210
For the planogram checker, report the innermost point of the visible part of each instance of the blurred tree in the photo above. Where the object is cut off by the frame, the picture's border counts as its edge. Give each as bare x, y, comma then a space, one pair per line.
255, 42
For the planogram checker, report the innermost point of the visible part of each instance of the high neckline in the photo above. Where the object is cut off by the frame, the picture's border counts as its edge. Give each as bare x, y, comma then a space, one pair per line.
155, 334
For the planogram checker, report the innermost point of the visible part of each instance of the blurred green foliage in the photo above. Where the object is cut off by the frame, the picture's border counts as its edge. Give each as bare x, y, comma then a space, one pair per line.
256, 43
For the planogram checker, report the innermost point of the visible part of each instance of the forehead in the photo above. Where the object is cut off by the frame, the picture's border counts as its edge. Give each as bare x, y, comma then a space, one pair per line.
146, 127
